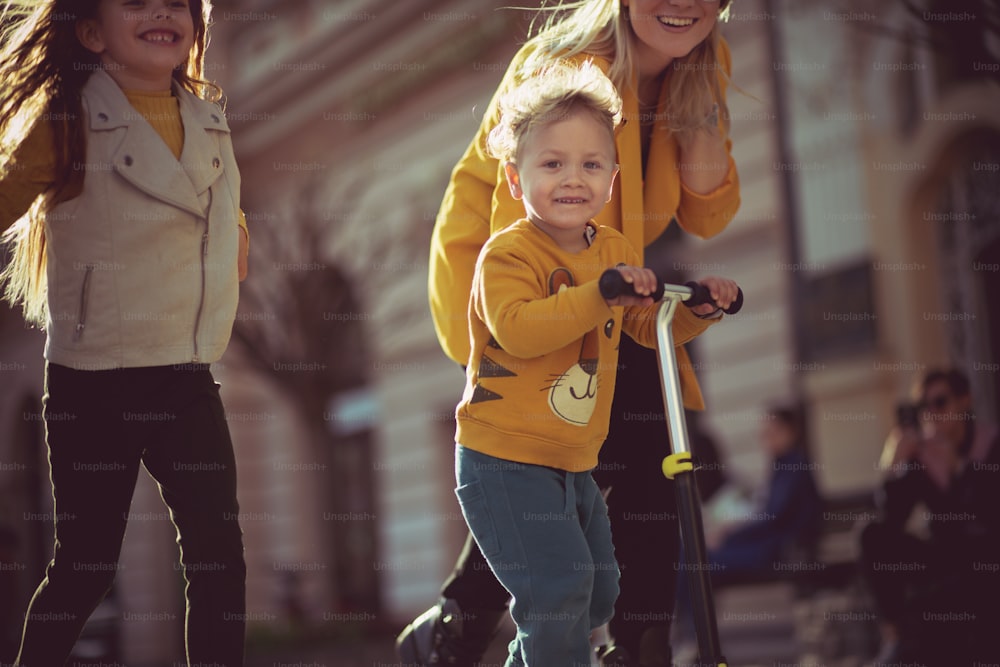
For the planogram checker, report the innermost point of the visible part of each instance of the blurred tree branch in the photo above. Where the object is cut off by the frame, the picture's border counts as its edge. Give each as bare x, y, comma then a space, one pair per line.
299, 322
964, 34
322, 275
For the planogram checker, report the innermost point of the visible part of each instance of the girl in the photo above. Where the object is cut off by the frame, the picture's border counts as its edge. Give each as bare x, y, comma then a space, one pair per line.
130, 256
670, 66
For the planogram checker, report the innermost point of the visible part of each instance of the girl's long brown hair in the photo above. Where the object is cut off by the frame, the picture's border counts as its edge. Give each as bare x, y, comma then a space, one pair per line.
44, 67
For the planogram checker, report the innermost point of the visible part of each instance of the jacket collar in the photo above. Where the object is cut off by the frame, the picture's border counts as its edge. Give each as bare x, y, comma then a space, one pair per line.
143, 158
628, 197
110, 108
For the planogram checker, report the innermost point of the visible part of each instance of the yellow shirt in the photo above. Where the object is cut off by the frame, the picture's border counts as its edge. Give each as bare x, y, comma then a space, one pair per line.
541, 375
478, 202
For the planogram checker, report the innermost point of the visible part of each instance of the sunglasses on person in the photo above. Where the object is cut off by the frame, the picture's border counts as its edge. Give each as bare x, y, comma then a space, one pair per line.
936, 403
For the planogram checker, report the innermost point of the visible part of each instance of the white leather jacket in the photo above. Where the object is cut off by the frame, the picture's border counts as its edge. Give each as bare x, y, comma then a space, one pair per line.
142, 264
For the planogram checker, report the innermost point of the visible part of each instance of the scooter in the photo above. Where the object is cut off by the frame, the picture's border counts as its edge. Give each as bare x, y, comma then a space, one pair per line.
678, 466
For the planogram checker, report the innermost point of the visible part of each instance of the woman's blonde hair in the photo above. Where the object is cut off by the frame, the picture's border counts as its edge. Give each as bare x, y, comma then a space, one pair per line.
601, 28
552, 94
44, 67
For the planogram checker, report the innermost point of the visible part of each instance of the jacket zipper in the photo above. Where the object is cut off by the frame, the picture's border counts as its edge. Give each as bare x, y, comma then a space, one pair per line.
204, 279
81, 320
201, 299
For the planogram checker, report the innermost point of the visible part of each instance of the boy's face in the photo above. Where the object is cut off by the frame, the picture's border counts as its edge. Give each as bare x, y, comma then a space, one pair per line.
564, 174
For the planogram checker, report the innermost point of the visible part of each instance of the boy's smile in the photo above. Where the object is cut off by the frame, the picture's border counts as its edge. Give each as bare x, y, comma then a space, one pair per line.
564, 174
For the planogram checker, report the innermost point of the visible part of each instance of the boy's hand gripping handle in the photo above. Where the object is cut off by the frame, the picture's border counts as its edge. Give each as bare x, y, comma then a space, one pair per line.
612, 284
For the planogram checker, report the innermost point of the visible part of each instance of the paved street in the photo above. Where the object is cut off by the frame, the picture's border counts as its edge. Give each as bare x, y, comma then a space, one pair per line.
760, 626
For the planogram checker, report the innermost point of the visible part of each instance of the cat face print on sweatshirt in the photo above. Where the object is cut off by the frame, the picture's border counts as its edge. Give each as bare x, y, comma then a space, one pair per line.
572, 393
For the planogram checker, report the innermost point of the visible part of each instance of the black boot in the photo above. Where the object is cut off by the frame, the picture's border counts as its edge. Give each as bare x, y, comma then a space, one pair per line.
654, 651
446, 635
654, 647
614, 656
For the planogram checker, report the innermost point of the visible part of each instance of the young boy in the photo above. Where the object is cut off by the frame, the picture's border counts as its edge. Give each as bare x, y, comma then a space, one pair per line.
542, 371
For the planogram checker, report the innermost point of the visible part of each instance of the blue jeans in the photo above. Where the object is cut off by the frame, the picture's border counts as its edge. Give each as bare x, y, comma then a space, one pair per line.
545, 534
100, 426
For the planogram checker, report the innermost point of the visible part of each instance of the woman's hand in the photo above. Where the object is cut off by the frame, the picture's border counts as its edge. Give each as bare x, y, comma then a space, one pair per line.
940, 459
900, 449
704, 160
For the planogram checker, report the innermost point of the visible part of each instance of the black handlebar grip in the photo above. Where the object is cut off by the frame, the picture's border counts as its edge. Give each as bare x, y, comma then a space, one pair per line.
700, 294
612, 285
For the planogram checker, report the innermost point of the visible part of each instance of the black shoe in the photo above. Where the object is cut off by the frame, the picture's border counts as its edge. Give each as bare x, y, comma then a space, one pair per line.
654, 647
614, 656
445, 635
654, 651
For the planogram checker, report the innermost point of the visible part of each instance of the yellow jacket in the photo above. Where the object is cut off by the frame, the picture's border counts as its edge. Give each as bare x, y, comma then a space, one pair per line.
477, 201
541, 377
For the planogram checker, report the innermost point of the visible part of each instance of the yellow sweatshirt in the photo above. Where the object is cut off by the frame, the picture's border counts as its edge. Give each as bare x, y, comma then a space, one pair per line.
32, 167
478, 202
541, 375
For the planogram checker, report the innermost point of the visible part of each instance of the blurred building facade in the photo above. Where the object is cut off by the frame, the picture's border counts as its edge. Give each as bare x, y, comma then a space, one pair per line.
866, 246
350, 118
884, 176
859, 267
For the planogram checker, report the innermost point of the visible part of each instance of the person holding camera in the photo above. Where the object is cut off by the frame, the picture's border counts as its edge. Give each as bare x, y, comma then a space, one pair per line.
931, 558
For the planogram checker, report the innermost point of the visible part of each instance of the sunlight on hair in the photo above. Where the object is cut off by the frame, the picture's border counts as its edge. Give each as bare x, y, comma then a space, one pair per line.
43, 68
565, 29
550, 95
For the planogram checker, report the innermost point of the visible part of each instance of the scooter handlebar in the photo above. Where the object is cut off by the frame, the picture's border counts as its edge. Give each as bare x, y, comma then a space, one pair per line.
612, 285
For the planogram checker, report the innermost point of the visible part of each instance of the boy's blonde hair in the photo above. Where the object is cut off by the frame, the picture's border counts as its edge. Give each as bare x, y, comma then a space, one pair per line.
565, 28
550, 95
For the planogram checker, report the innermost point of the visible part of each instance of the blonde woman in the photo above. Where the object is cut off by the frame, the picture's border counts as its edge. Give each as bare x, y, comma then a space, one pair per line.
670, 66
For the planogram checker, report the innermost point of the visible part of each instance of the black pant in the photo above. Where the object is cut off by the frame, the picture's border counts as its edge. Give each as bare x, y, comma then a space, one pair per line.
642, 507
99, 426
940, 595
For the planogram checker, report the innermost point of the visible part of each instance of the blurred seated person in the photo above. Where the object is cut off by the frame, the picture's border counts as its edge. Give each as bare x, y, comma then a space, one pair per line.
786, 520
787, 516
936, 588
